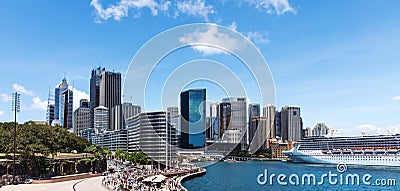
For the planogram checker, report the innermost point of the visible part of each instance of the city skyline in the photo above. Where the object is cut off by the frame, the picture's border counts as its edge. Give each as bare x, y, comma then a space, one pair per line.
340, 68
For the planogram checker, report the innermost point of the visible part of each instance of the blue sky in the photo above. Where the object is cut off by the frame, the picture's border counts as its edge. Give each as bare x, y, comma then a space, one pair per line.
338, 60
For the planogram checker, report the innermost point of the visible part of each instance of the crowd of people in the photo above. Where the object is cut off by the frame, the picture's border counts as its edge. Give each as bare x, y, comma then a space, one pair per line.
135, 179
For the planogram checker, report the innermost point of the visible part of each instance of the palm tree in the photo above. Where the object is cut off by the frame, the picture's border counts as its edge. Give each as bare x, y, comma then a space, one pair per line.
120, 154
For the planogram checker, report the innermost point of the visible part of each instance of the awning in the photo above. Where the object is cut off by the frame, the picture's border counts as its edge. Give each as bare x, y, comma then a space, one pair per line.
159, 178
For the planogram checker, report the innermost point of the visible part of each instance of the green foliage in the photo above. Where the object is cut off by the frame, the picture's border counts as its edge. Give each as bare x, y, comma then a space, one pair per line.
40, 140
137, 158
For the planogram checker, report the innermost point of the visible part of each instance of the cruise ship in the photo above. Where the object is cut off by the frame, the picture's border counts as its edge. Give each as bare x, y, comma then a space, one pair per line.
382, 150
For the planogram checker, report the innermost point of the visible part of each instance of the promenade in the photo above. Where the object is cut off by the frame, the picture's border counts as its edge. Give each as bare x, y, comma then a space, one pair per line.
89, 184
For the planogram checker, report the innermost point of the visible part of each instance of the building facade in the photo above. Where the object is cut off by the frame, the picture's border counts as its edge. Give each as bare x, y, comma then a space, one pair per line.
95, 92
66, 109
63, 105
259, 135
120, 113
101, 119
193, 118
291, 123
238, 118
213, 123
152, 133
270, 114
254, 111
320, 130
82, 117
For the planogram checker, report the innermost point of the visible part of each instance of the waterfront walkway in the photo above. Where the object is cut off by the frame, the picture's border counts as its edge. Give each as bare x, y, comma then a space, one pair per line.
88, 184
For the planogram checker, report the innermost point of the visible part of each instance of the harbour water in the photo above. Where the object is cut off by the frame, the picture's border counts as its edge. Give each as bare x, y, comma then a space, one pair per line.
244, 175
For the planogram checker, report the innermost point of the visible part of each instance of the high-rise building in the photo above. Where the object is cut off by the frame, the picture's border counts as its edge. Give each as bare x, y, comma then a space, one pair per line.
174, 118
254, 111
110, 89
291, 123
66, 112
101, 119
308, 132
277, 124
224, 118
238, 117
82, 117
50, 109
258, 133
120, 113
95, 92
320, 130
212, 132
152, 133
57, 94
173, 111
193, 118
63, 105
269, 113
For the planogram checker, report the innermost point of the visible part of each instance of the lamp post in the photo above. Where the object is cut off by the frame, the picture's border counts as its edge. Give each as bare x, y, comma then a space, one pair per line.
16, 108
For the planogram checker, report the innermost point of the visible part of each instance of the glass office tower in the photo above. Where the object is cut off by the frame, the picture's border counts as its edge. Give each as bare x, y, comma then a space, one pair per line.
193, 120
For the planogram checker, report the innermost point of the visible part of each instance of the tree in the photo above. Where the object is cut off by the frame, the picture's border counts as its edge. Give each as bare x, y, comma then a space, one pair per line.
120, 154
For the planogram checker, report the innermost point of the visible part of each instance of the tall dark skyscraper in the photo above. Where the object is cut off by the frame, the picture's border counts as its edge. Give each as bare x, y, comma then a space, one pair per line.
95, 92
291, 123
224, 118
110, 89
66, 112
254, 111
193, 118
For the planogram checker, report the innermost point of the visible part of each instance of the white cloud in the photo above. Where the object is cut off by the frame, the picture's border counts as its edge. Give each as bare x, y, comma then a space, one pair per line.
396, 98
278, 7
233, 26
37, 104
78, 95
195, 8
22, 89
5, 97
368, 129
210, 36
122, 7
1, 113
258, 37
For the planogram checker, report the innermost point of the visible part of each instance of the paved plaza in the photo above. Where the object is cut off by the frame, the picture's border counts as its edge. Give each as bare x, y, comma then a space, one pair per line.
89, 184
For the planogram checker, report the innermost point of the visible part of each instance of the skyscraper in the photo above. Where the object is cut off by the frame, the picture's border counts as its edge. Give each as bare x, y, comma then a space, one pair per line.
224, 118
63, 105
82, 117
120, 113
57, 98
173, 112
110, 89
269, 113
291, 124
66, 112
152, 133
193, 118
320, 130
254, 111
278, 123
238, 118
95, 92
101, 120
258, 132
213, 128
